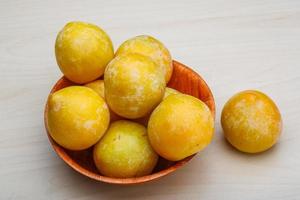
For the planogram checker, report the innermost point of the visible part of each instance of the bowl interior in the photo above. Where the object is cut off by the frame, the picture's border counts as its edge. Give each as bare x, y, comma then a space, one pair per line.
184, 80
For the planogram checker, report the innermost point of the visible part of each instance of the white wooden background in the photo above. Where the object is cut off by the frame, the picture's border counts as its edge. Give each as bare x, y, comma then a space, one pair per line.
234, 44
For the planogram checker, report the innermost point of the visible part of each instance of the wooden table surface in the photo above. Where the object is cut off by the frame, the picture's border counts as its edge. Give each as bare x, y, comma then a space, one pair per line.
234, 44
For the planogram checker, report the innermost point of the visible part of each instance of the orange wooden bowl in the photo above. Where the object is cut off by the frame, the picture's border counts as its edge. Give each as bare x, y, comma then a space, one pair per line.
184, 80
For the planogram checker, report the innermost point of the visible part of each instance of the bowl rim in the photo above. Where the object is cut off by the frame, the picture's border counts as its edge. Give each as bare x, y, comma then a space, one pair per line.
122, 181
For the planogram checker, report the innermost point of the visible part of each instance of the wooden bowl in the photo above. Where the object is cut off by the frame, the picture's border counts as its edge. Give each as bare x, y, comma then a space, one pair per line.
184, 80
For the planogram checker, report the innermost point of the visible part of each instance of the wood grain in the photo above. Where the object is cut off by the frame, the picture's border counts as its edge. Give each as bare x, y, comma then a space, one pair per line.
234, 45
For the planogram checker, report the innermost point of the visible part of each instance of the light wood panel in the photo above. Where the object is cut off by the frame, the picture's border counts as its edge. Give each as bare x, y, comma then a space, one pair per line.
233, 44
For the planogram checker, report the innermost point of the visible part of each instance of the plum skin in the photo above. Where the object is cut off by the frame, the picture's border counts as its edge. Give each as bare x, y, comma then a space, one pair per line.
251, 121
124, 151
